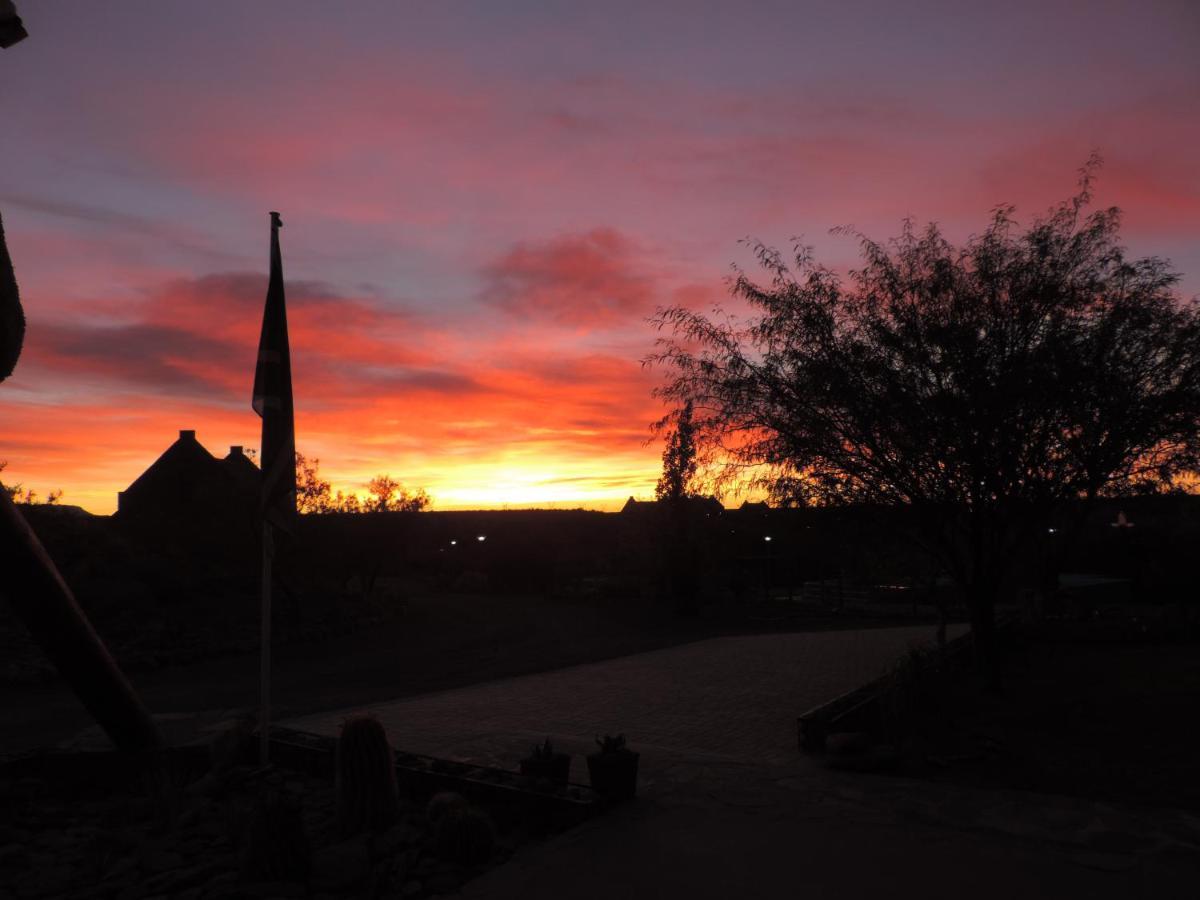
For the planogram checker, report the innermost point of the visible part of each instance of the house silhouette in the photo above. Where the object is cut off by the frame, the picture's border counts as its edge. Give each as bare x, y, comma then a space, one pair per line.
188, 483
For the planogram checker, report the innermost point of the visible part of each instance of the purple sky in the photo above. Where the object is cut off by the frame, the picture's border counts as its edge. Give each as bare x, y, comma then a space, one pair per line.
482, 202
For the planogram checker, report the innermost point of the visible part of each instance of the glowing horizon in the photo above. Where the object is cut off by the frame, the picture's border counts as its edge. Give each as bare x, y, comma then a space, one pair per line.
482, 207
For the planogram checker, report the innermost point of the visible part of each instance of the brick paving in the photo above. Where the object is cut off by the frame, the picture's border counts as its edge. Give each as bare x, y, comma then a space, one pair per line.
731, 697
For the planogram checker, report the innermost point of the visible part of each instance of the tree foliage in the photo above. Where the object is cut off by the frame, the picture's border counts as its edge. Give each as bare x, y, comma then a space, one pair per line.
18, 493
314, 495
679, 459
389, 495
980, 384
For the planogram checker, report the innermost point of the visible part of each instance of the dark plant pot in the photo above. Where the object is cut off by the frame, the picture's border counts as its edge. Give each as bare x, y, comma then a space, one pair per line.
614, 775
556, 769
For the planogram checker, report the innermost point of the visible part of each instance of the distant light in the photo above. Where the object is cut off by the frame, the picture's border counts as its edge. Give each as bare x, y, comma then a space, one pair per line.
452, 543
482, 537
1052, 530
767, 538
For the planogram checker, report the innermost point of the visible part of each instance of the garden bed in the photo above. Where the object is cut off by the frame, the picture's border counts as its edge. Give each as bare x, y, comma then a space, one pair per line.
1085, 709
93, 825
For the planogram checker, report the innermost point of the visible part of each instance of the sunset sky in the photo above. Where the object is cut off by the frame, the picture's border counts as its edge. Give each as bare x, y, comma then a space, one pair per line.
483, 201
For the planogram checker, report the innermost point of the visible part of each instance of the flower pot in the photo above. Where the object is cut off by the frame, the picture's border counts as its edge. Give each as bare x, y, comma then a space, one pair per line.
556, 769
614, 775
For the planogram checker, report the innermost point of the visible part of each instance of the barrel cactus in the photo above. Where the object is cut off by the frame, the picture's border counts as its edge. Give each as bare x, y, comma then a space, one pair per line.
365, 779
275, 845
444, 804
465, 837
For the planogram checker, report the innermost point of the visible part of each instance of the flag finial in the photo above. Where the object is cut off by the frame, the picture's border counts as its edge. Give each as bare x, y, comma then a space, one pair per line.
276, 222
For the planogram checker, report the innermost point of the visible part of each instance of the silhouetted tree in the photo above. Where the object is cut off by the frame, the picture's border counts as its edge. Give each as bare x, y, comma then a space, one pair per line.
980, 385
18, 493
313, 493
674, 488
389, 495
679, 459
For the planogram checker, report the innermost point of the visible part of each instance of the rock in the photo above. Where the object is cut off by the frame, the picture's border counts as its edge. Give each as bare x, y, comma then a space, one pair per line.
157, 859
442, 882
444, 804
196, 812
13, 857
11, 835
272, 889
395, 838
55, 840
175, 881
122, 867
226, 877
46, 881
341, 866
412, 888
207, 785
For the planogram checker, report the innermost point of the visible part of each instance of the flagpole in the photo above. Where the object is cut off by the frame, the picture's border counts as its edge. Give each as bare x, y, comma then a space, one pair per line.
264, 670
272, 400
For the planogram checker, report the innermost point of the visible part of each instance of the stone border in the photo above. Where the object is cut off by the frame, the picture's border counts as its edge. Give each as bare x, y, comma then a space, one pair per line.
506, 794
858, 709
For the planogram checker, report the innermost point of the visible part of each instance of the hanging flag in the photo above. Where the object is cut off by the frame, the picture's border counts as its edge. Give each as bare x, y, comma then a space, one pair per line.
12, 319
273, 397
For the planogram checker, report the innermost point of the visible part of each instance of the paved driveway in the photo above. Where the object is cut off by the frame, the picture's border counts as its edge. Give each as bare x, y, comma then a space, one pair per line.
730, 697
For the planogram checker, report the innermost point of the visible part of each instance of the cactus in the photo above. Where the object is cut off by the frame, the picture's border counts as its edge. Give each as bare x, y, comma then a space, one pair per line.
610, 744
544, 762
275, 845
444, 804
543, 752
613, 769
365, 781
465, 837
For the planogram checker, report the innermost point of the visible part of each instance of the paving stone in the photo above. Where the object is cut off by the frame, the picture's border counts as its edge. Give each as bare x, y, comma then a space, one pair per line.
735, 697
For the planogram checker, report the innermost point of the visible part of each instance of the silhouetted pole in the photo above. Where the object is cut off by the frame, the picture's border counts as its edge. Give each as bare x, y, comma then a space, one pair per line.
43, 602
272, 400
264, 665
36, 591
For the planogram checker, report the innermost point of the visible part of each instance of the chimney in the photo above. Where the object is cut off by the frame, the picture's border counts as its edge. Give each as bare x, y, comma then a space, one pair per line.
187, 434
236, 450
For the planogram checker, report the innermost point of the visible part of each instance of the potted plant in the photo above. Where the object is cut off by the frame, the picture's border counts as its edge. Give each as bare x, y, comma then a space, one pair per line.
613, 769
545, 762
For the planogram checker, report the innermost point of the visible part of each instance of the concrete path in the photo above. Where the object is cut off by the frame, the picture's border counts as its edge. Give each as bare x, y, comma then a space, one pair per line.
730, 697
736, 832
728, 807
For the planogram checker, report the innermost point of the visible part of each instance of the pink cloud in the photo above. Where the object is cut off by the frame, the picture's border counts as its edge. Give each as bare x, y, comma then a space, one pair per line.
583, 280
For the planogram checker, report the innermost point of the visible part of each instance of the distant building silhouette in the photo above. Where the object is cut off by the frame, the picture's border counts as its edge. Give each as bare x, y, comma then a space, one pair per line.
696, 505
189, 483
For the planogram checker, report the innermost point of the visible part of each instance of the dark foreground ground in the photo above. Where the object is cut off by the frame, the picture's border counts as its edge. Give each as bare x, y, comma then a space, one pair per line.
1082, 714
